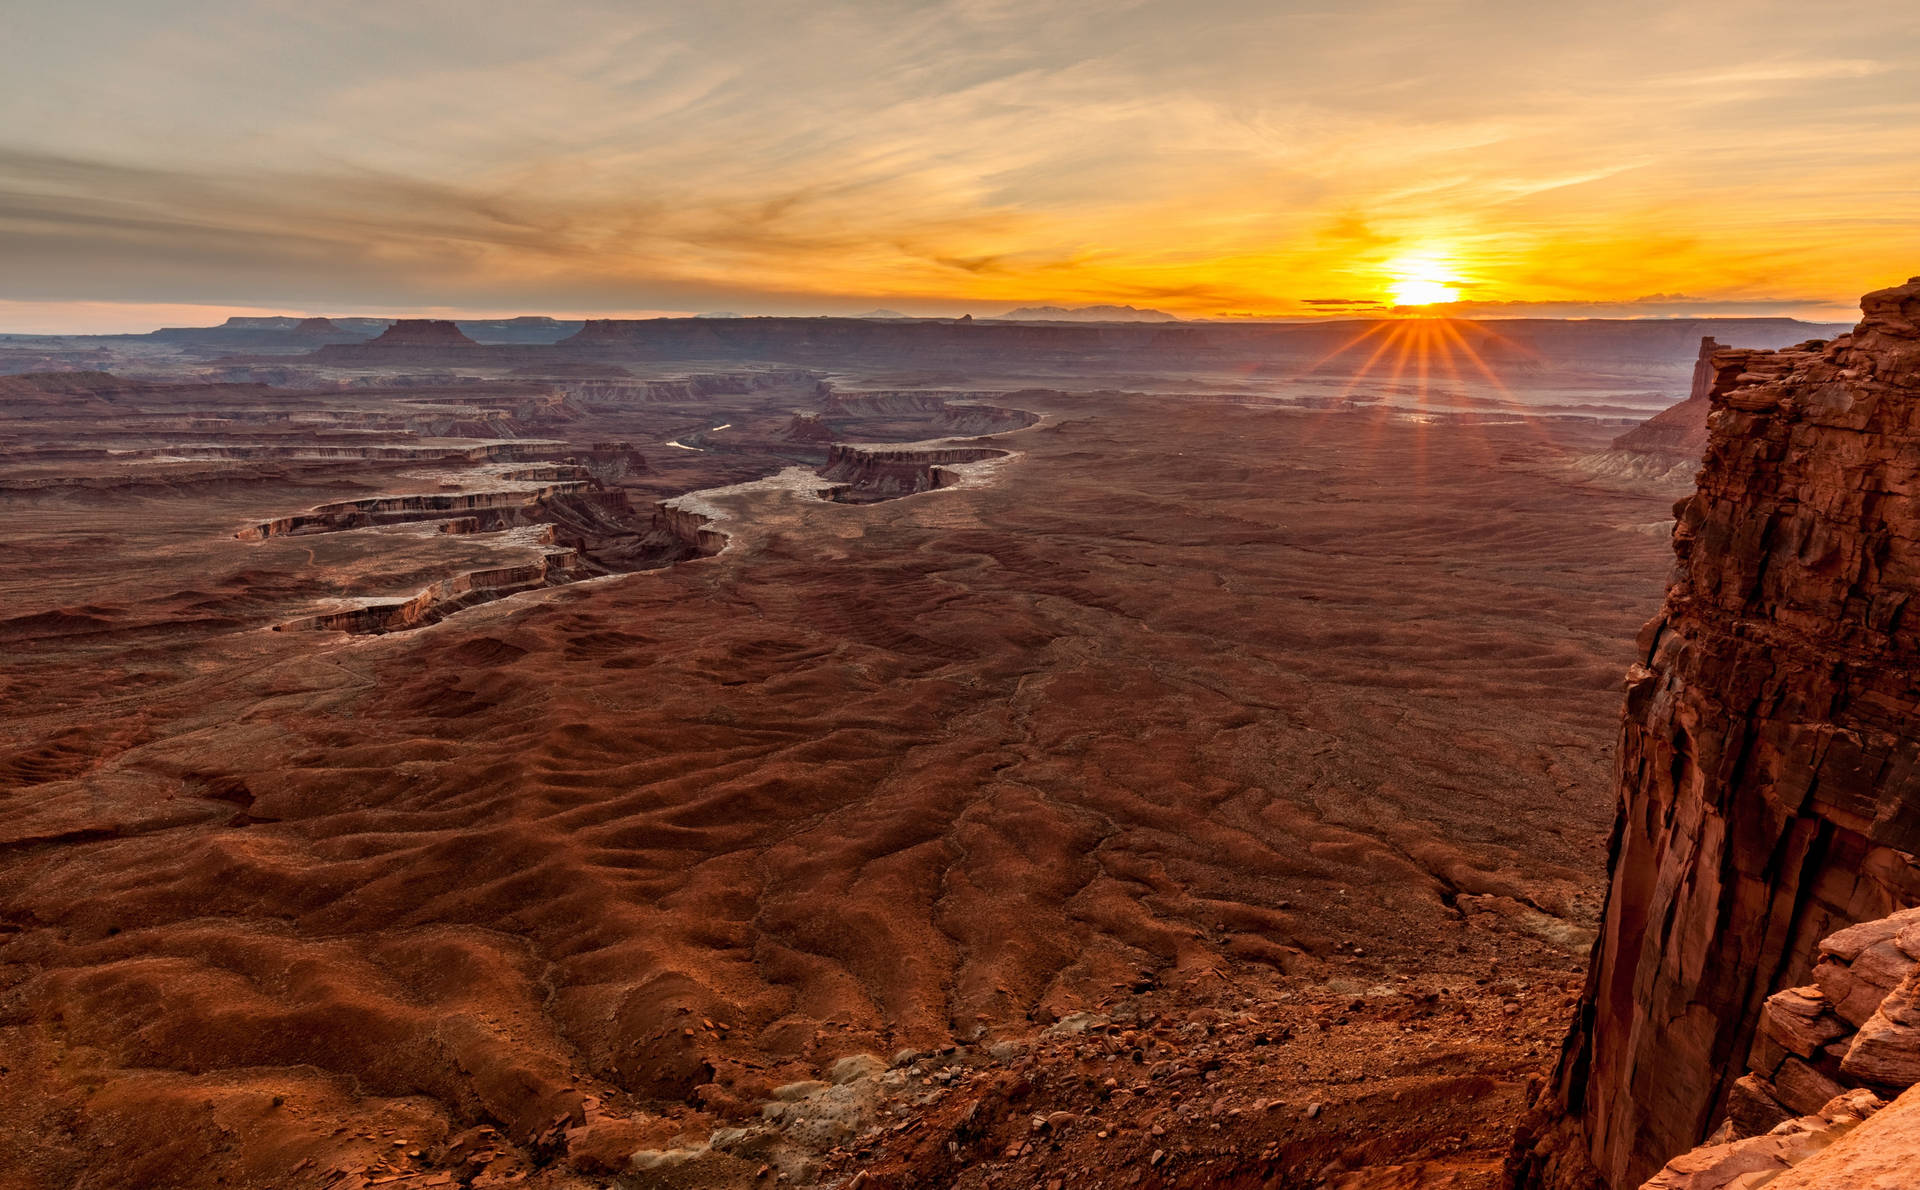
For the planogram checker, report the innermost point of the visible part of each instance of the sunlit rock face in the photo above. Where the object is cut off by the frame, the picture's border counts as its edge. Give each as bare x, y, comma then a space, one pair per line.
1814, 1111
1769, 763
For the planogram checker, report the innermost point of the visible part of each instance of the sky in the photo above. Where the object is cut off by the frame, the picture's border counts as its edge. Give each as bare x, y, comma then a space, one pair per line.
175, 162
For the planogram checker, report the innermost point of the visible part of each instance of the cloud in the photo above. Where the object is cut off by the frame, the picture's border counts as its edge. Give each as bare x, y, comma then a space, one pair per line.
1808, 309
1342, 305
772, 154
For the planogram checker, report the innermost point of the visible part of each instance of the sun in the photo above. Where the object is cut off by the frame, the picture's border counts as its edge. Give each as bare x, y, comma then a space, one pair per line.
1422, 279
1423, 291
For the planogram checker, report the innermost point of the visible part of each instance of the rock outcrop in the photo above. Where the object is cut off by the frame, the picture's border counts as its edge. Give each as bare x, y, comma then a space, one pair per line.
1680, 431
806, 427
1663, 453
1769, 768
1825, 1055
1750, 1162
1881, 1154
865, 474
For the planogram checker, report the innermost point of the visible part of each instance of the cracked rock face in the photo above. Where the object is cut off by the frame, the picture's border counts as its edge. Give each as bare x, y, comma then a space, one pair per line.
1825, 1055
1769, 768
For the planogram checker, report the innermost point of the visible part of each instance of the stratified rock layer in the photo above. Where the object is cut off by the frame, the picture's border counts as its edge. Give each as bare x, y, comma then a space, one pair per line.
1825, 1055
1767, 767
1881, 1154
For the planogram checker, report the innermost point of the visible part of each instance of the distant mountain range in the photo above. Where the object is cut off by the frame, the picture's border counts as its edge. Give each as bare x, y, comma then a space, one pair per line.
279, 332
1085, 314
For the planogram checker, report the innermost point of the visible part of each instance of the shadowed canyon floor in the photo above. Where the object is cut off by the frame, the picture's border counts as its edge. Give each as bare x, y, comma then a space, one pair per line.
1192, 794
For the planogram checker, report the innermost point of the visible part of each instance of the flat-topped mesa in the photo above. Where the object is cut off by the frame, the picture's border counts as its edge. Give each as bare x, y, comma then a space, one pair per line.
423, 332
410, 340
1769, 760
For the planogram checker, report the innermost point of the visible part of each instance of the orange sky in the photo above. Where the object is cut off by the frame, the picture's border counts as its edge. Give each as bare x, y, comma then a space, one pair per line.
170, 163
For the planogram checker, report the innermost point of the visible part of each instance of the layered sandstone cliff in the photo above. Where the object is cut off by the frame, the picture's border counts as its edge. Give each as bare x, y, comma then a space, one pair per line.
863, 474
1829, 1057
1769, 766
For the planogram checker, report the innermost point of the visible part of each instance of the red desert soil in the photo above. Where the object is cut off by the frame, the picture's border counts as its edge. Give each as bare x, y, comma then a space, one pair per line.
1200, 795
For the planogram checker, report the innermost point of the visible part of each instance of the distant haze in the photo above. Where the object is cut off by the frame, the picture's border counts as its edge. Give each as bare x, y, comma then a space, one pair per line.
179, 162
1088, 314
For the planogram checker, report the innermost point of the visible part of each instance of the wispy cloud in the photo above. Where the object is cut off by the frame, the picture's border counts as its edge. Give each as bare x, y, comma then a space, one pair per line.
956, 154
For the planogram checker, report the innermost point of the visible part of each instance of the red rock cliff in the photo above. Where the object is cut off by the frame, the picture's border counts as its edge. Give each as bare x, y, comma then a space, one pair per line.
1769, 766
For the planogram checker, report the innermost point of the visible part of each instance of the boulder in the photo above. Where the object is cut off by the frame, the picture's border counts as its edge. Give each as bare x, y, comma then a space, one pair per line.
1801, 1020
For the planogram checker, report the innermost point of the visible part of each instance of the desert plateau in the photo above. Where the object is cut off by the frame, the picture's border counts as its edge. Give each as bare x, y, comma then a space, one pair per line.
959, 596
805, 768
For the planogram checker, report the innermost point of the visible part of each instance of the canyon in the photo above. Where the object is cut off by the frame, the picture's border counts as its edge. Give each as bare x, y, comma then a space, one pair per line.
749, 752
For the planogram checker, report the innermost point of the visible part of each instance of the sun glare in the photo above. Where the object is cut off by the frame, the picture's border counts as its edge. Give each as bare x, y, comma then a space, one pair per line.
1427, 279
1423, 291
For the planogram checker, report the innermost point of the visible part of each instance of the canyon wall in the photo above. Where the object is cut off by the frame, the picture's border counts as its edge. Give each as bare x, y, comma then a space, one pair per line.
391, 510
1769, 766
1829, 1058
441, 599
